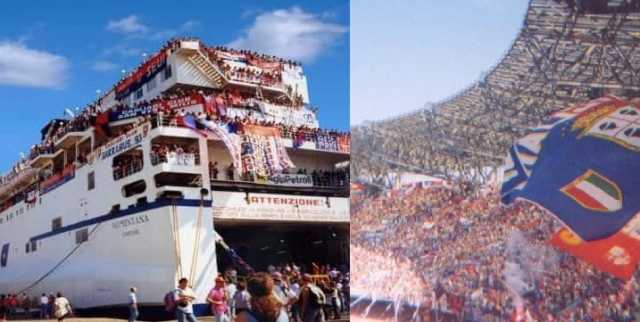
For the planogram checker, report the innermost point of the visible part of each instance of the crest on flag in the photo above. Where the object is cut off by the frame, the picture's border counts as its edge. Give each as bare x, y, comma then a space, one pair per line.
579, 165
619, 124
594, 191
618, 256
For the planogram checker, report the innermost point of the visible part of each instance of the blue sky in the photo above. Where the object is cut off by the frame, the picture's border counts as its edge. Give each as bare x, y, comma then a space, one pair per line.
55, 56
407, 53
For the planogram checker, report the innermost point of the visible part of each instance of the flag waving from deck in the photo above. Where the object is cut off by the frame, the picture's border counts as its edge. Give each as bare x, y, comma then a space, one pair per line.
582, 166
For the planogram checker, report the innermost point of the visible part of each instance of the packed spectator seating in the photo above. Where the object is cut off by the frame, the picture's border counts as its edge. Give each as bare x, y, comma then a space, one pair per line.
477, 260
461, 241
546, 68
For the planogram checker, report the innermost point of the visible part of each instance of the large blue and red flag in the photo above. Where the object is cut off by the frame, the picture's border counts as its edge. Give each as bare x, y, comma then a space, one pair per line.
582, 166
617, 255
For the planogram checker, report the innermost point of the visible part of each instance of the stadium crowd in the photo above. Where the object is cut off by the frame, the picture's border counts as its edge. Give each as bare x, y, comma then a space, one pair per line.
471, 259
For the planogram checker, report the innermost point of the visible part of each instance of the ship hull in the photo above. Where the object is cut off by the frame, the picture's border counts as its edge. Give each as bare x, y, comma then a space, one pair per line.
147, 246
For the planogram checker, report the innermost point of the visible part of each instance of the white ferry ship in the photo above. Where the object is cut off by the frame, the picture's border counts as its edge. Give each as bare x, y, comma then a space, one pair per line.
135, 190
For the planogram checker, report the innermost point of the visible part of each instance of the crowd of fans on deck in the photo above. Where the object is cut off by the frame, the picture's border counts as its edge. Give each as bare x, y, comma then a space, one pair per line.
178, 154
453, 246
127, 164
235, 124
227, 98
328, 178
338, 178
252, 55
251, 75
252, 67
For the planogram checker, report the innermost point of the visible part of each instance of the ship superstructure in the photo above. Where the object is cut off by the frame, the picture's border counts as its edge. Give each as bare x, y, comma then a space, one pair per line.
128, 191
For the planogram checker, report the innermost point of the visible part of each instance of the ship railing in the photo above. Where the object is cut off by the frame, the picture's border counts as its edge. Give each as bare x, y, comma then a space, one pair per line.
51, 181
76, 128
257, 81
333, 182
174, 158
14, 173
335, 142
165, 121
127, 170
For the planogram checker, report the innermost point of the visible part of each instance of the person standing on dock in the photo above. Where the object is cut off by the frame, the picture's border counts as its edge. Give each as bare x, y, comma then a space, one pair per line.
184, 297
218, 299
44, 306
133, 305
312, 301
62, 307
241, 300
265, 306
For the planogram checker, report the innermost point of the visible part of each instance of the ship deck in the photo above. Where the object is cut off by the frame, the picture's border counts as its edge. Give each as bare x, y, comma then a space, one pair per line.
245, 186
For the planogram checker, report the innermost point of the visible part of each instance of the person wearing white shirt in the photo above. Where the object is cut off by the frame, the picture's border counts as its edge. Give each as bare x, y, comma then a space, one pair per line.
62, 307
231, 289
44, 306
133, 305
295, 307
184, 297
241, 300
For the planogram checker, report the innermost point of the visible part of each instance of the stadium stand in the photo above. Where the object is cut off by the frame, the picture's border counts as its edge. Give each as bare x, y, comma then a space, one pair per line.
453, 252
566, 52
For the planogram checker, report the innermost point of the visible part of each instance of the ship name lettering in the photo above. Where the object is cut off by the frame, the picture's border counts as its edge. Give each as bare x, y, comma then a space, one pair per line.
126, 222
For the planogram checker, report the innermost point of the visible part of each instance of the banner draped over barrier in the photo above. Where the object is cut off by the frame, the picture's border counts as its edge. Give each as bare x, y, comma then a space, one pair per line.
263, 152
326, 142
145, 72
231, 141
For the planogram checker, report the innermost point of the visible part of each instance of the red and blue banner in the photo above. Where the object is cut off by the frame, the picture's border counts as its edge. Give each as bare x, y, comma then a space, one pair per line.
130, 113
617, 255
142, 74
581, 167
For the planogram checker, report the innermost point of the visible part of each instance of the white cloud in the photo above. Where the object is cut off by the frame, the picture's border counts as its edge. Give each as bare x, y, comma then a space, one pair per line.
123, 50
166, 34
190, 25
127, 25
103, 66
290, 33
22, 66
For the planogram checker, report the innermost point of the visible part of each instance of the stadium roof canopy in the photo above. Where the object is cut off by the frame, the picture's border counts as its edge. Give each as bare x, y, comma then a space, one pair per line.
566, 51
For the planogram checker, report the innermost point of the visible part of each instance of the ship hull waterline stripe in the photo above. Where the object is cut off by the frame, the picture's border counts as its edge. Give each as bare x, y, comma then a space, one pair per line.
124, 213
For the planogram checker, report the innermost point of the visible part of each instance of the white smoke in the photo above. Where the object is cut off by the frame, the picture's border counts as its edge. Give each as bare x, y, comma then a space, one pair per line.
525, 264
